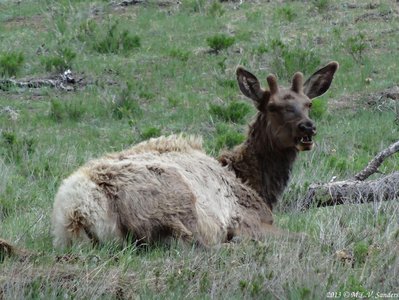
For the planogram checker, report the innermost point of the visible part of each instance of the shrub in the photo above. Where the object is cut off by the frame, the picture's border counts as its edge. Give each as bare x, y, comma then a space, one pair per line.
286, 60
59, 62
216, 9
108, 37
180, 54
125, 105
72, 110
150, 132
321, 5
220, 42
115, 40
319, 108
356, 45
286, 13
360, 252
193, 6
234, 112
227, 137
11, 63
16, 148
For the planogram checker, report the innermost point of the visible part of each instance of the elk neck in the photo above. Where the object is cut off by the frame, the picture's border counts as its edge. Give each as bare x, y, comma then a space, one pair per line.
259, 163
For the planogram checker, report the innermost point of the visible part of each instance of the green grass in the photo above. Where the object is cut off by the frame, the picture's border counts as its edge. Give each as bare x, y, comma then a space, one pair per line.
150, 72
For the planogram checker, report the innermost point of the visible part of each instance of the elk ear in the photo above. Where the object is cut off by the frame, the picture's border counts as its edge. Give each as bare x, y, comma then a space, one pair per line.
320, 81
250, 86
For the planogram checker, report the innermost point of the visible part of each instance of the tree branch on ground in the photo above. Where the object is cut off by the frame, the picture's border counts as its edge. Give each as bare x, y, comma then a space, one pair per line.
64, 81
356, 189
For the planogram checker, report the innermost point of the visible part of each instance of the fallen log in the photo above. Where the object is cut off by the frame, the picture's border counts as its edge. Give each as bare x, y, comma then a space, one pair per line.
356, 189
64, 81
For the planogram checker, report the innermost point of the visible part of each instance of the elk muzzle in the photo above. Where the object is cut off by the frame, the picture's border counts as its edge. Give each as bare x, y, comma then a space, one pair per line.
306, 130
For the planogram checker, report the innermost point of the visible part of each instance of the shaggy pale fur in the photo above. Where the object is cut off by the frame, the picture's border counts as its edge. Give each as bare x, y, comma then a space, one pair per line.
160, 188
168, 187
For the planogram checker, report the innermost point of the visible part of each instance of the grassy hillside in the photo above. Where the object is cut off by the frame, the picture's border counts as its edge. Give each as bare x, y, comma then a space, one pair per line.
162, 67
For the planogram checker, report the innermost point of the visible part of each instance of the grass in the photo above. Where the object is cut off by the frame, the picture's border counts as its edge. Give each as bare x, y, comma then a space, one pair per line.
151, 72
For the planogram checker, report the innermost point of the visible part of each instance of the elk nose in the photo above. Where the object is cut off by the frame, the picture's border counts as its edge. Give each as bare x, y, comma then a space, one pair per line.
307, 127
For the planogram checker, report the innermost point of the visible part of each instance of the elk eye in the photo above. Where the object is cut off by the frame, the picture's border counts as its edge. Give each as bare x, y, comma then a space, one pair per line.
309, 105
289, 109
272, 107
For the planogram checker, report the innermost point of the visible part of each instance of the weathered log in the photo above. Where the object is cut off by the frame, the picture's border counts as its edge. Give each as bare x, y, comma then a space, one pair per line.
351, 191
64, 81
356, 189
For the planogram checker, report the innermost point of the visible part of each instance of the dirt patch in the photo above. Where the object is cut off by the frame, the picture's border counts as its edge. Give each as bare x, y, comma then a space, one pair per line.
33, 22
385, 100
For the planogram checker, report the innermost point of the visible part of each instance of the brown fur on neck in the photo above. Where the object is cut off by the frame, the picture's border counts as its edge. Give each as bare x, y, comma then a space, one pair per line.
260, 163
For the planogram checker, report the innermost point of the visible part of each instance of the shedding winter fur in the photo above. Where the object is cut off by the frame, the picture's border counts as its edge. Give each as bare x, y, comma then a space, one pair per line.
169, 188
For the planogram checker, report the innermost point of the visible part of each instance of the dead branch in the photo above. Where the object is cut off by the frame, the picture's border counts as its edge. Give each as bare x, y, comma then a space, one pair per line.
64, 81
356, 189
127, 2
373, 165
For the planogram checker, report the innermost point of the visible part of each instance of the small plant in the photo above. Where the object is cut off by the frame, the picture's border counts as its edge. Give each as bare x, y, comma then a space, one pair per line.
286, 13
180, 54
352, 284
193, 6
360, 252
216, 9
150, 132
321, 5
319, 109
220, 42
59, 62
356, 46
234, 112
72, 110
16, 148
227, 137
125, 105
56, 110
114, 40
11, 63
286, 60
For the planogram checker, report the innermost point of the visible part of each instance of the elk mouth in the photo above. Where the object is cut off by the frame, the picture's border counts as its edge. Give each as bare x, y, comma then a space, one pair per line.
304, 143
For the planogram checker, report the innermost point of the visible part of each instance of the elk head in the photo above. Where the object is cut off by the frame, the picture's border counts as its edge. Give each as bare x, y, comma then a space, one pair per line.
286, 110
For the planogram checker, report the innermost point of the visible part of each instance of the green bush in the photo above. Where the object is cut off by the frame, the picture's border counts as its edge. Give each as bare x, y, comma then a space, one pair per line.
66, 110
227, 137
286, 13
125, 105
115, 40
108, 37
356, 45
16, 148
150, 132
180, 54
216, 9
59, 62
220, 42
321, 5
287, 59
319, 109
11, 63
234, 112
360, 252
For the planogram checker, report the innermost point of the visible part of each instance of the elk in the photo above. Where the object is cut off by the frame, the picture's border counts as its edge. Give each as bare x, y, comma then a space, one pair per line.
168, 187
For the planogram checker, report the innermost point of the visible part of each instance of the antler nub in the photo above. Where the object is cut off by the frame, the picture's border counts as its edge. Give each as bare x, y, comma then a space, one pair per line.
272, 81
297, 82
